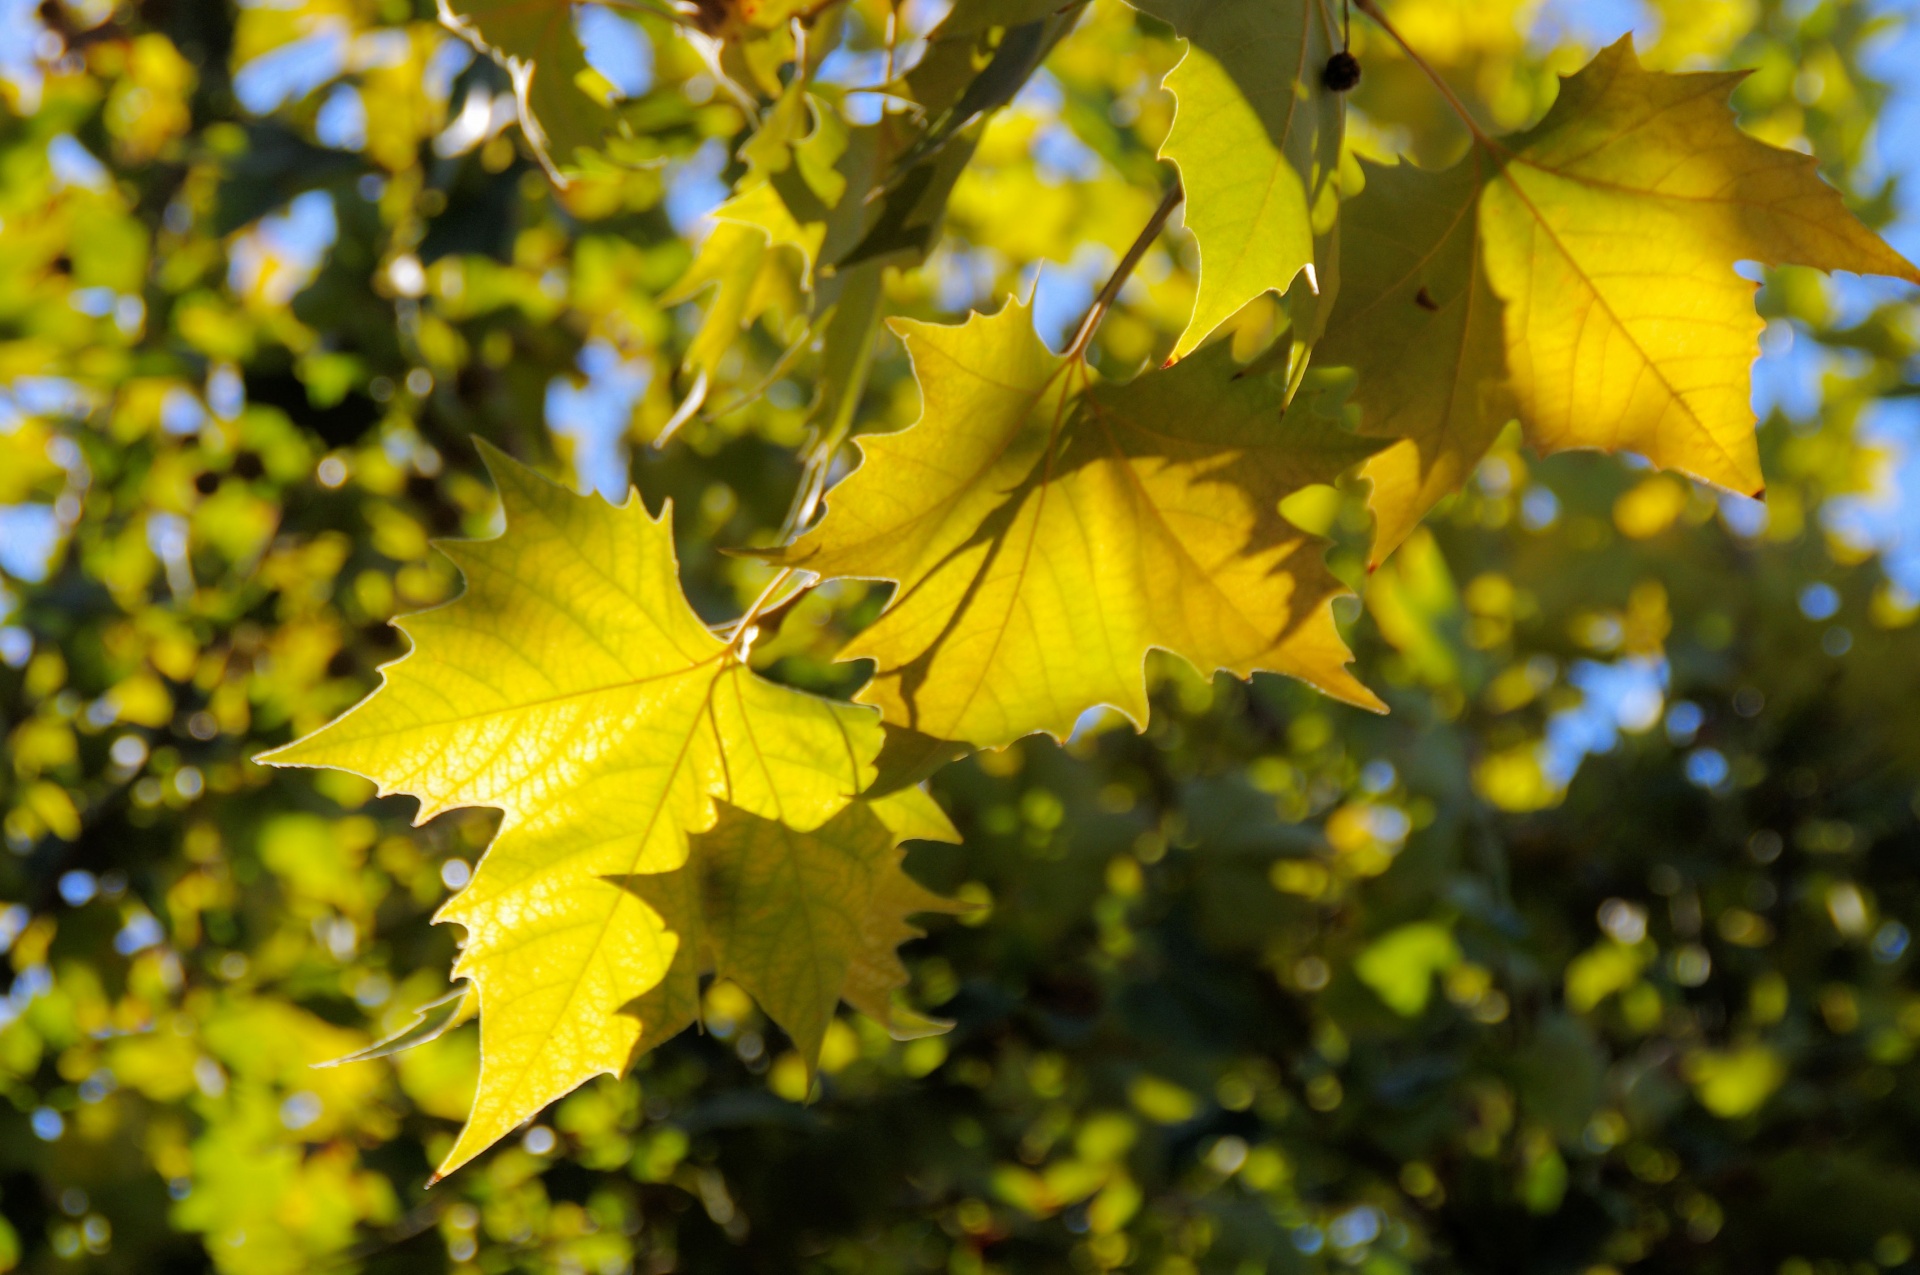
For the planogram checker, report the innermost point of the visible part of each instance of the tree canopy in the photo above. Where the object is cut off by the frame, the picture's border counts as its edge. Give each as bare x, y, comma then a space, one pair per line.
993, 630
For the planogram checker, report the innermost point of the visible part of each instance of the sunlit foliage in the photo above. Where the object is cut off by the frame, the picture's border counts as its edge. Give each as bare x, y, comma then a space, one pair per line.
1592, 954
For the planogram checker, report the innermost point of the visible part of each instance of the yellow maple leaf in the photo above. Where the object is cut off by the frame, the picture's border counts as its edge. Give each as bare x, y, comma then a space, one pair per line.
1046, 533
1256, 136
573, 688
1580, 276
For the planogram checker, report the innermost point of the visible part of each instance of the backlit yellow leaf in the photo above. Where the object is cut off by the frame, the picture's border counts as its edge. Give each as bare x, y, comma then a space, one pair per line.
1735, 1082
1046, 533
573, 688
1418, 319
1580, 276
737, 262
1256, 136
1162, 1101
1650, 507
1400, 965
1603, 969
1514, 780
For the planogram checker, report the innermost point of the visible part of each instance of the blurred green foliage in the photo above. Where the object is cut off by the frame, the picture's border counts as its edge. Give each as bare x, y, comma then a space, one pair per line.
1593, 956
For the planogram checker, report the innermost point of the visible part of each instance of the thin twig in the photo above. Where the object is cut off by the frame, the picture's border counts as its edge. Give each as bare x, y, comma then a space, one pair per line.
893, 39
1104, 302
1372, 10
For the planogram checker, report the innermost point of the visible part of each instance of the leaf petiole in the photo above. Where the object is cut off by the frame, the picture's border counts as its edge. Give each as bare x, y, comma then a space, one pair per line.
742, 630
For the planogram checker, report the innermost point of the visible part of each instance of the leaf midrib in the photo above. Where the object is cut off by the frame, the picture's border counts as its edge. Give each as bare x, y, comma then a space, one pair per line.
1033, 527
619, 896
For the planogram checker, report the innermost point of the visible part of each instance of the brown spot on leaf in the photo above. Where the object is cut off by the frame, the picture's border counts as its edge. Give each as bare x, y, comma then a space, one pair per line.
1424, 300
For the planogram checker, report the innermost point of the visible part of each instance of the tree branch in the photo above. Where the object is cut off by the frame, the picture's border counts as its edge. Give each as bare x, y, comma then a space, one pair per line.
1104, 302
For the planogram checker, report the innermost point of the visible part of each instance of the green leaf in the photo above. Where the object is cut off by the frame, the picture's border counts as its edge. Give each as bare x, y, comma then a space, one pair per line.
1602, 243
1256, 136
808, 194
793, 184
876, 980
1016, 56
1400, 965
913, 205
962, 43
534, 41
573, 688
1046, 534
957, 91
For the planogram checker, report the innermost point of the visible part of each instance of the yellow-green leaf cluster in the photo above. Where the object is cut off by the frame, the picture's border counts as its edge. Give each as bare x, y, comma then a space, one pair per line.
1580, 276
668, 814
